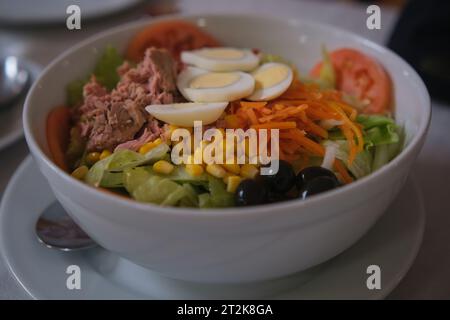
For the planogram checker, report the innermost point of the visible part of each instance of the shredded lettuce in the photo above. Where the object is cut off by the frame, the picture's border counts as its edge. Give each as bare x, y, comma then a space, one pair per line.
108, 172
382, 140
370, 121
159, 190
378, 130
327, 77
361, 165
384, 153
133, 172
204, 200
219, 195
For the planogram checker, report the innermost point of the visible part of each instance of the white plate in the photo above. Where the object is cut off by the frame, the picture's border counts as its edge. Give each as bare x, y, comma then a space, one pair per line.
392, 245
25, 11
11, 117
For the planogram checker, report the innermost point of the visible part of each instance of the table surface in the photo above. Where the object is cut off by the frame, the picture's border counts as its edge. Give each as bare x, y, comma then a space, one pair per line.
429, 277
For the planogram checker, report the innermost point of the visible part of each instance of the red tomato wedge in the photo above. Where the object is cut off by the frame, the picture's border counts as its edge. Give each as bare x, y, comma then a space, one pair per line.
58, 128
174, 35
360, 76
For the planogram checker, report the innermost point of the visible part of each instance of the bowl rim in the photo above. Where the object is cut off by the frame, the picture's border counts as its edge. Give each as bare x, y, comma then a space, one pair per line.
405, 153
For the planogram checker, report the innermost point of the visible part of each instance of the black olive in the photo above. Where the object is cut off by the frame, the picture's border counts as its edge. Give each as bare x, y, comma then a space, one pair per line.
318, 185
251, 192
311, 173
283, 180
278, 197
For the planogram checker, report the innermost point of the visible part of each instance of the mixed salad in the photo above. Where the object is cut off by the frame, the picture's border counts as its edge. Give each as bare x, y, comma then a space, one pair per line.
116, 130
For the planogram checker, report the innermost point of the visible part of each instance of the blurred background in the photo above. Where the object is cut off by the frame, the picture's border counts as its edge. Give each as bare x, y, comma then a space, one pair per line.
32, 33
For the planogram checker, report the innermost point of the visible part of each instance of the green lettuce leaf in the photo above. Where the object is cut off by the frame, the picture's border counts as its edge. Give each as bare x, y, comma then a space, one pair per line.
132, 171
108, 172
219, 195
159, 190
384, 153
74, 92
105, 71
378, 130
370, 121
146, 186
191, 198
106, 68
204, 200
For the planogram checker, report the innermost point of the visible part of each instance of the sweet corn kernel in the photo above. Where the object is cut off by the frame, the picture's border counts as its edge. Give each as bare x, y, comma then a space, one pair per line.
149, 146
163, 167
233, 168
216, 171
80, 172
157, 142
105, 153
92, 157
146, 148
249, 171
232, 183
194, 170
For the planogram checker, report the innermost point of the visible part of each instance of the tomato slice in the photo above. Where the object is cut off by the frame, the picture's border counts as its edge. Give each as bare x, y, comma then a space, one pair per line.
173, 35
58, 127
360, 76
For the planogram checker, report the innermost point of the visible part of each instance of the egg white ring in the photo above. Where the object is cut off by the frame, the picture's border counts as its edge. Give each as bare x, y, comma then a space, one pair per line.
239, 89
185, 116
270, 93
246, 63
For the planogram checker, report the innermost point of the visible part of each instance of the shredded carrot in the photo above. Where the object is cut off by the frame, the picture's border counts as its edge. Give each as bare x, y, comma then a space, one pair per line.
340, 168
257, 105
275, 125
252, 116
297, 113
310, 145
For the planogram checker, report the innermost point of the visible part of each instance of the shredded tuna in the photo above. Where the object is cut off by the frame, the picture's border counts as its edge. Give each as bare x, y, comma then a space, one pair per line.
118, 118
151, 132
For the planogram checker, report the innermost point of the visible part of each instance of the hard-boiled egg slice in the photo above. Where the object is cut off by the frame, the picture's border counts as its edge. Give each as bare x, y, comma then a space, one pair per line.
221, 59
199, 85
271, 80
184, 114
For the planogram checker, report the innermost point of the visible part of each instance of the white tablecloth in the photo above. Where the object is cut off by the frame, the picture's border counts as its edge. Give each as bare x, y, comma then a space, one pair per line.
429, 277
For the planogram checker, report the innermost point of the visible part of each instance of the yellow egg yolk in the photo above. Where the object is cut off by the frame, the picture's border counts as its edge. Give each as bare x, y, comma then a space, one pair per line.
269, 77
214, 80
222, 54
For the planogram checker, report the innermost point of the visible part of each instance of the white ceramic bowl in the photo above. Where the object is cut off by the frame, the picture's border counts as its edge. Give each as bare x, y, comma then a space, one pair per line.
237, 244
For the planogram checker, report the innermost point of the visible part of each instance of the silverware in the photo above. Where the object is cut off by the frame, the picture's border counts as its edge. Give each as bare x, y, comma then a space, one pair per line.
14, 80
57, 230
